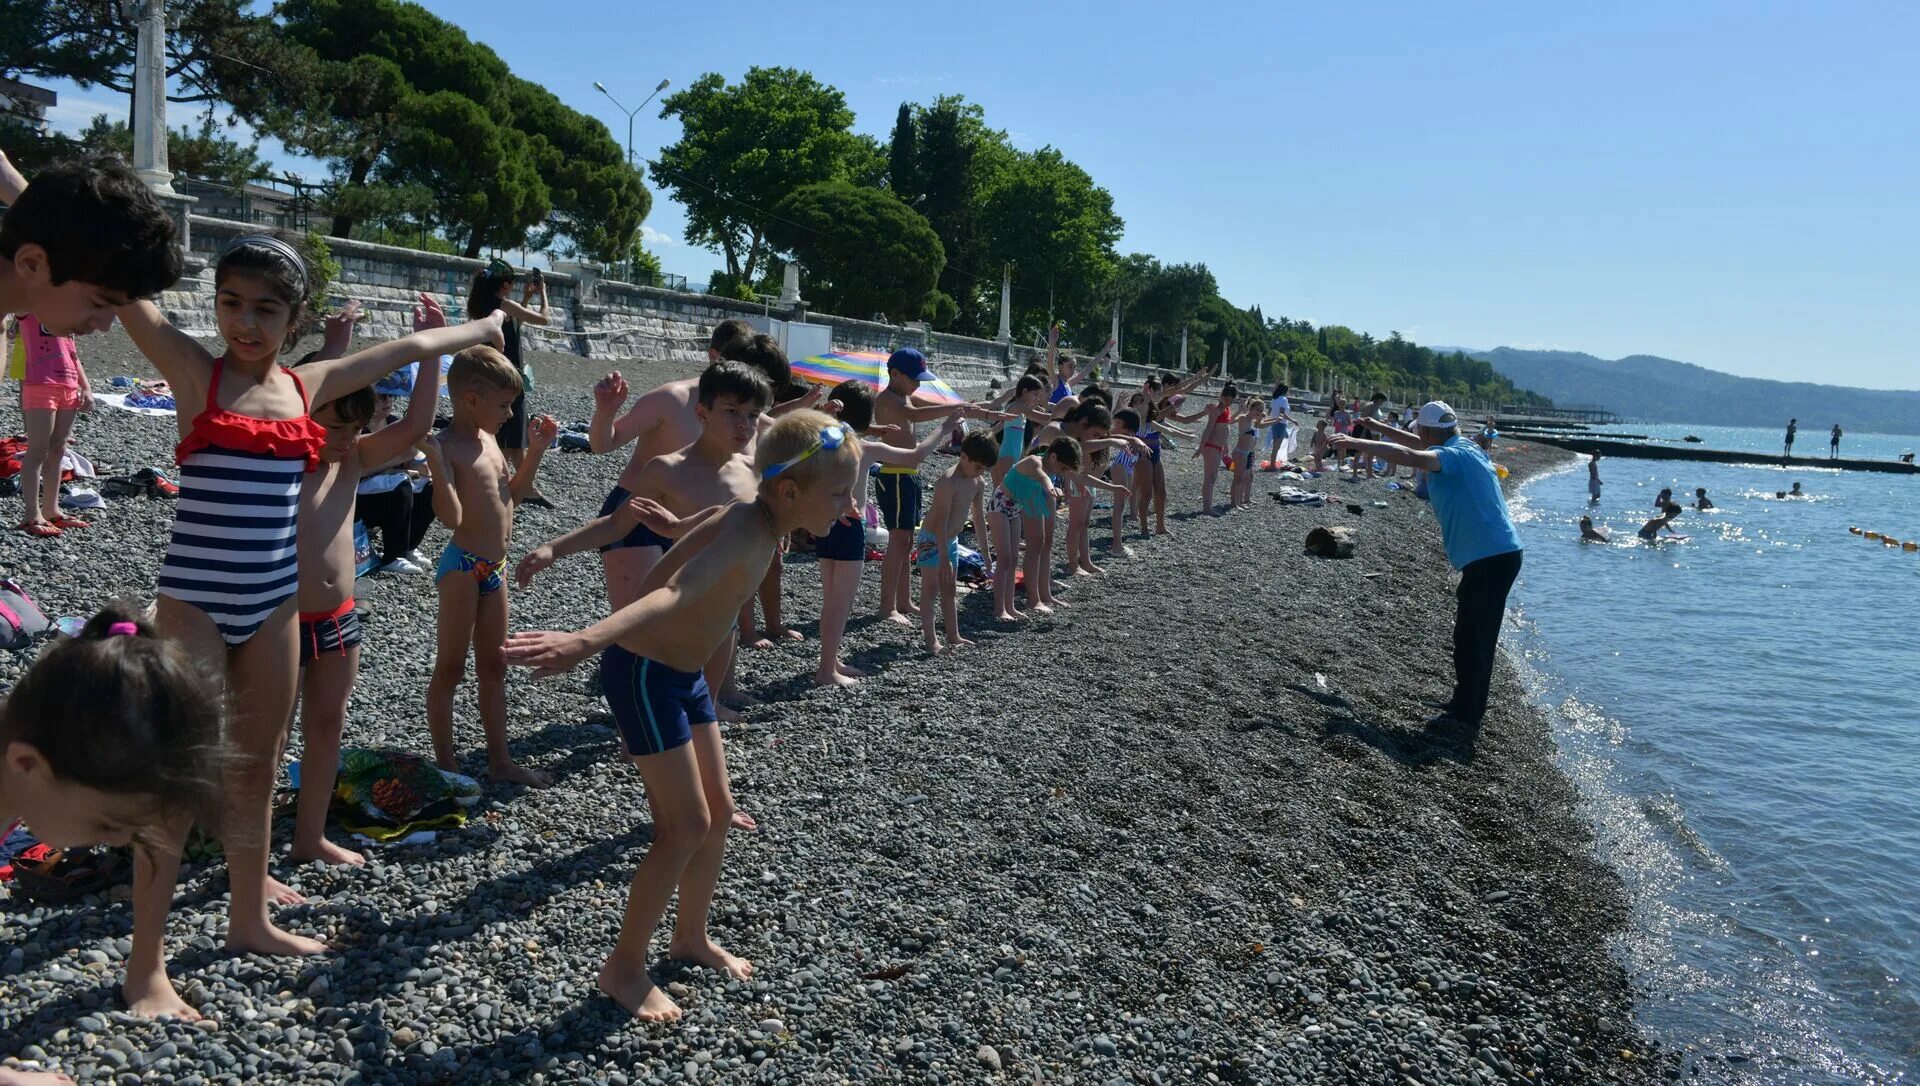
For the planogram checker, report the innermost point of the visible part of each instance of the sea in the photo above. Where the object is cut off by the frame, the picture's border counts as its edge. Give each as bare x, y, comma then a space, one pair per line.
1741, 709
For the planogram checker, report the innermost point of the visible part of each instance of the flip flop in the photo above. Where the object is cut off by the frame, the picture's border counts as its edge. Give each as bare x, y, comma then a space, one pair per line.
41, 529
70, 522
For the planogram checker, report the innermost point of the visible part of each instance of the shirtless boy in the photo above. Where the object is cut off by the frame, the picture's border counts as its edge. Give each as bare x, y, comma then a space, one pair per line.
936, 550
474, 494
652, 652
897, 490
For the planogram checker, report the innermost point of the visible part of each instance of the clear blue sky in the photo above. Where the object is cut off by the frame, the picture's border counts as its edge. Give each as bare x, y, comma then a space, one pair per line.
1736, 186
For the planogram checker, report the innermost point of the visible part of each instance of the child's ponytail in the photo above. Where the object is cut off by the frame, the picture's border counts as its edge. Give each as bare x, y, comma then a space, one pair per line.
119, 710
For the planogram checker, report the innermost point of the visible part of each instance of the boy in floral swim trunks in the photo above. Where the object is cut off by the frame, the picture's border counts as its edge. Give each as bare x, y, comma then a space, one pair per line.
480, 496
936, 548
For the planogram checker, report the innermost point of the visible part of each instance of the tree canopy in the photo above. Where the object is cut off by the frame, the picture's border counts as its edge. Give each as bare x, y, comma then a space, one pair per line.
865, 251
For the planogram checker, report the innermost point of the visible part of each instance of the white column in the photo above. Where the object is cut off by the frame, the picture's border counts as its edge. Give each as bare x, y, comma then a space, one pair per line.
1116, 333
1183, 348
150, 98
1005, 335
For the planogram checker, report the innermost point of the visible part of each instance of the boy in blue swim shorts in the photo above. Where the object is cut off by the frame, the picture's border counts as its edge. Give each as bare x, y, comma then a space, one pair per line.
477, 499
936, 550
652, 651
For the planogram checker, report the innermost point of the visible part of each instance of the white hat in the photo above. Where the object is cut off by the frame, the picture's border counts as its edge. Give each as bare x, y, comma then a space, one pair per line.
1436, 415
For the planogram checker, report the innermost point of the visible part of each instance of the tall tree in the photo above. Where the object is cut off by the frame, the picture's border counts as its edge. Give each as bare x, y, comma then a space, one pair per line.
862, 249
1043, 214
92, 42
744, 147
202, 152
903, 157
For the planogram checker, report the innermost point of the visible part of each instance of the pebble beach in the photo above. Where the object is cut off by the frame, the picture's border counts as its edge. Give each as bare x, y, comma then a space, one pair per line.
1192, 828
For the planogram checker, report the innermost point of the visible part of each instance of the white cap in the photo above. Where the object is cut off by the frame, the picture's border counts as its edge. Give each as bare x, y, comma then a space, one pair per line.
1436, 415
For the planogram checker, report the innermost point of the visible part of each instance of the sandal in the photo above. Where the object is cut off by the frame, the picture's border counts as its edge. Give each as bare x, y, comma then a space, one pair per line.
60, 875
64, 521
40, 528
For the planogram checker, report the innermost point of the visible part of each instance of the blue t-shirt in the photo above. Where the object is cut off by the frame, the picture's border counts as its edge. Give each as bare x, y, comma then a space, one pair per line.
1060, 392
1466, 497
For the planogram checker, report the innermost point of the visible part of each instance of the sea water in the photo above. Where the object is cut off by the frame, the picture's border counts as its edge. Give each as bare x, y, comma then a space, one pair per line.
1742, 712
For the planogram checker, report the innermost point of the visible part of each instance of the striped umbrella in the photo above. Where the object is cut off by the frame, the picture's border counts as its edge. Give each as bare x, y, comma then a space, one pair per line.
870, 366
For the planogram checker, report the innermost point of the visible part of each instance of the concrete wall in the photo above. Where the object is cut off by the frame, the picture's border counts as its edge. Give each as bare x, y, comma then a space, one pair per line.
601, 317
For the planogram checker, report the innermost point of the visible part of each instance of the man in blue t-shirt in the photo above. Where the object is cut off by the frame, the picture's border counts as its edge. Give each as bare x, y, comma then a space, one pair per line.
1477, 534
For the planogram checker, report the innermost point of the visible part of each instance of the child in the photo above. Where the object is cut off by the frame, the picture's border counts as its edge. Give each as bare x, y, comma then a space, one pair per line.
227, 585
1279, 414
1321, 446
1700, 499
843, 550
329, 625
712, 471
1593, 477
936, 550
1212, 449
1796, 492
53, 389
1091, 424
897, 489
1664, 498
150, 754
489, 292
1590, 534
475, 495
86, 238
1651, 529
1132, 470
1163, 397
1028, 403
1249, 421
1027, 497
652, 652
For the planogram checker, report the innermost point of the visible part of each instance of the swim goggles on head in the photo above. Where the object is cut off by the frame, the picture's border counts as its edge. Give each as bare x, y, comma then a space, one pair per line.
831, 438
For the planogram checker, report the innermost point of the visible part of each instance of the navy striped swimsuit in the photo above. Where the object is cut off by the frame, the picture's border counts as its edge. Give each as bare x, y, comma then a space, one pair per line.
234, 550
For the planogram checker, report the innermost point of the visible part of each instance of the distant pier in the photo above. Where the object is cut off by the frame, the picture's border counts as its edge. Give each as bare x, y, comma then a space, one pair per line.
1634, 450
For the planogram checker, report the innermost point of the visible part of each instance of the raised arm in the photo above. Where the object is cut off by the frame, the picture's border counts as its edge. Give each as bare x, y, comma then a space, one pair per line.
536, 292
813, 395
540, 434
422, 404
179, 357
606, 433
1053, 355
332, 380
882, 453
1422, 459
12, 183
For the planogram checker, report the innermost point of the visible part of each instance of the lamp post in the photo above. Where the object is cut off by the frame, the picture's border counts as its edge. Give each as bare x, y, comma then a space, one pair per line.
602, 88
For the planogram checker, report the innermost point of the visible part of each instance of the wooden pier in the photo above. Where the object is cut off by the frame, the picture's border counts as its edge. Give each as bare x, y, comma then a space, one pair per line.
1634, 450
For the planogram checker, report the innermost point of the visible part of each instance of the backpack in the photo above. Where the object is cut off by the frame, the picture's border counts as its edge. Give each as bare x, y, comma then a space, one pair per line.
21, 619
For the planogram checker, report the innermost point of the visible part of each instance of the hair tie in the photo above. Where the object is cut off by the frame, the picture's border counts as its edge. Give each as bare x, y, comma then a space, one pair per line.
275, 246
123, 629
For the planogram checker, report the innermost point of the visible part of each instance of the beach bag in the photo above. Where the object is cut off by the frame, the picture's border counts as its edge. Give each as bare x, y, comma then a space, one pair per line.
20, 618
362, 550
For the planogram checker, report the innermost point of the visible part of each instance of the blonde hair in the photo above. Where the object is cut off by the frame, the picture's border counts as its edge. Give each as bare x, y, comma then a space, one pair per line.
794, 434
482, 367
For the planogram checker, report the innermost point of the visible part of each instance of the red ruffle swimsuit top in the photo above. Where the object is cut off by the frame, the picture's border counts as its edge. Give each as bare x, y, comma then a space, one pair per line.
221, 429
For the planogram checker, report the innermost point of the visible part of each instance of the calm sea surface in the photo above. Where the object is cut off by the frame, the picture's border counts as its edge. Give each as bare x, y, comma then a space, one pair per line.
1742, 710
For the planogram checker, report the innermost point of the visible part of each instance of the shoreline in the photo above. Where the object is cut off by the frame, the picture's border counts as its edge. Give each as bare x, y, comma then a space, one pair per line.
1191, 826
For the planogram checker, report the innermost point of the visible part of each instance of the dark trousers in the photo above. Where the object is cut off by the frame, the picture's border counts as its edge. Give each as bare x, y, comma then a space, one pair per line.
400, 516
1482, 606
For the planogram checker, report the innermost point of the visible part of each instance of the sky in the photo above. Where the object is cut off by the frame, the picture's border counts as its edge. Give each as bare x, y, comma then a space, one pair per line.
1729, 185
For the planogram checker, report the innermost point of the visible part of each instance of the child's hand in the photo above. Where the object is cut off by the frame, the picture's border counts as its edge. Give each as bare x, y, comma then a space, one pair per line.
339, 327
537, 559
429, 447
652, 514
547, 653
542, 432
813, 395
428, 314
496, 334
610, 393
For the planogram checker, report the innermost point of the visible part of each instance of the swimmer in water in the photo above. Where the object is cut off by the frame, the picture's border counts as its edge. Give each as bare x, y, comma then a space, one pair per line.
1796, 492
1590, 534
1650, 531
1700, 499
1664, 499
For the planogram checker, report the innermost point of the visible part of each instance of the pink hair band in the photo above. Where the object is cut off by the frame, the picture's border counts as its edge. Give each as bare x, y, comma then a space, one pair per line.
123, 629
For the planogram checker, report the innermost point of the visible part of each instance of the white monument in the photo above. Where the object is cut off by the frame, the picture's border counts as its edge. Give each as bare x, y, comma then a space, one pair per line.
150, 96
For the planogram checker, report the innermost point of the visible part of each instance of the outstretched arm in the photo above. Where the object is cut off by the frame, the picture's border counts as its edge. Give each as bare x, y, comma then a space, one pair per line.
1392, 454
881, 453
605, 434
423, 403
12, 183
332, 380
540, 434
179, 357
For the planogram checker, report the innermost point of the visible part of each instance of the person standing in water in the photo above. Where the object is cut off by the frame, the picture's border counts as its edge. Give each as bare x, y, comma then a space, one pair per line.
1833, 443
1793, 427
1593, 477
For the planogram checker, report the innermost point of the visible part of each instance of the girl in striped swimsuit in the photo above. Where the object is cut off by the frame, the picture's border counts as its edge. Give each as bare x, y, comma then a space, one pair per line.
226, 586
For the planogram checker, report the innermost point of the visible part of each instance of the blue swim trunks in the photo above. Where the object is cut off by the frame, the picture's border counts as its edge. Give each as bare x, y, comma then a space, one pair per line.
898, 496
654, 706
926, 551
457, 559
844, 542
641, 536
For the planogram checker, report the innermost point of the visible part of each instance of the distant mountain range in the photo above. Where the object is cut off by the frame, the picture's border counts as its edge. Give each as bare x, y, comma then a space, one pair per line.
1654, 389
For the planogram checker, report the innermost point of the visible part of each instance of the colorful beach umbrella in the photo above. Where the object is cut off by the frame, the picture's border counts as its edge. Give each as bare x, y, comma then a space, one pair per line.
870, 366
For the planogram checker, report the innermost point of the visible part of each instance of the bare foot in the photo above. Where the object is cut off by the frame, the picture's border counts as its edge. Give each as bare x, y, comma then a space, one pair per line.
1091, 568
638, 996
900, 618
756, 643
1121, 551
743, 821
852, 672
154, 997
709, 953
934, 648
515, 773
1007, 616
279, 893
1041, 609
727, 714
833, 678
327, 853
12, 1076
959, 642
786, 633
271, 942
910, 609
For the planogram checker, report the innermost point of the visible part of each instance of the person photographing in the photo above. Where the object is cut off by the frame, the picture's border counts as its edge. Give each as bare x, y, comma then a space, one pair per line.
1476, 532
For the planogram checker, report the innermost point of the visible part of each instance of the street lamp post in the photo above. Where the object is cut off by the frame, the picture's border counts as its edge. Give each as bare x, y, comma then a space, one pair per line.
602, 88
